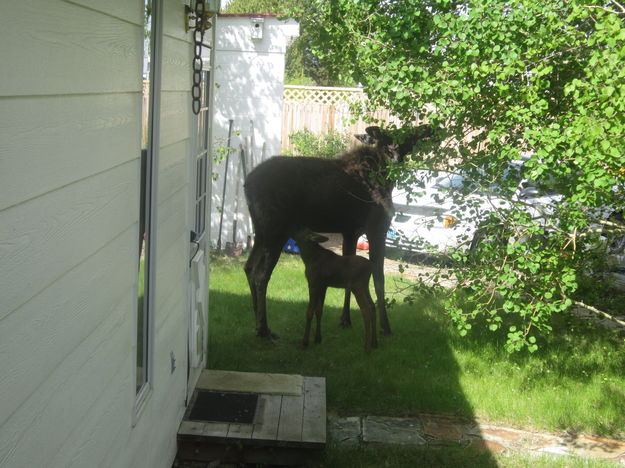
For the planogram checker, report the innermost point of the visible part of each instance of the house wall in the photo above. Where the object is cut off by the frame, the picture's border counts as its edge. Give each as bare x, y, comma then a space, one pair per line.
249, 78
70, 116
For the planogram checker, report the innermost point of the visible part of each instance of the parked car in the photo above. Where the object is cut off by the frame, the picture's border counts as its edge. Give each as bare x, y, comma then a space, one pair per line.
431, 221
427, 219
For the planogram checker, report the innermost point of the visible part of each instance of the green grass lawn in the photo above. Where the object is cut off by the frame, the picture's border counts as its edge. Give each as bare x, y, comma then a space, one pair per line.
576, 381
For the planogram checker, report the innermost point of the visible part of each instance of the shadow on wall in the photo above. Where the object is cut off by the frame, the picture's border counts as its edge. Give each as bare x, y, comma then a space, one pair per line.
230, 221
249, 77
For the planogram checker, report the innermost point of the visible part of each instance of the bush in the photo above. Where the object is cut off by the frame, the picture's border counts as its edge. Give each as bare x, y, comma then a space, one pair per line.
324, 145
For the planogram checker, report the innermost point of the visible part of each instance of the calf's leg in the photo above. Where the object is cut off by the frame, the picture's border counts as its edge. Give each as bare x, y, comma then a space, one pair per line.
315, 307
309, 315
319, 312
367, 307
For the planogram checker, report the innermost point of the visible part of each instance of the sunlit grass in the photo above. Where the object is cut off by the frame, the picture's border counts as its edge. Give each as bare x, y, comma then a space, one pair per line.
574, 382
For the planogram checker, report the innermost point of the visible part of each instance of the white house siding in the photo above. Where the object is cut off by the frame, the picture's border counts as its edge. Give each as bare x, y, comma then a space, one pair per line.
249, 78
70, 97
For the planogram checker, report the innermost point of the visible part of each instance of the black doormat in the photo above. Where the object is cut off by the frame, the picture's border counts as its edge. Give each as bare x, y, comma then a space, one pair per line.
224, 407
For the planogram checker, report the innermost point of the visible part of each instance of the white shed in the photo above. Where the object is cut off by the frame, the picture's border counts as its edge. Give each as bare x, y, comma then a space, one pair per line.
249, 84
84, 379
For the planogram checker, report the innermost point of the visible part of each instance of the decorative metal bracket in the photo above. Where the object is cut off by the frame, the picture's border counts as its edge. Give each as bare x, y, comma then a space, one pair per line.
192, 20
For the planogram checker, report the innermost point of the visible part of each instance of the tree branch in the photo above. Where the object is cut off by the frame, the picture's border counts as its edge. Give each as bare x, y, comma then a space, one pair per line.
599, 312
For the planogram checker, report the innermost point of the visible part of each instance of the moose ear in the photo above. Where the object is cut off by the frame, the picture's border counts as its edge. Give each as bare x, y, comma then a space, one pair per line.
374, 132
378, 135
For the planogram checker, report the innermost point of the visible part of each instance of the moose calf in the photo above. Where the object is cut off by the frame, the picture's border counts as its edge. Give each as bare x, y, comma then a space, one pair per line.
326, 269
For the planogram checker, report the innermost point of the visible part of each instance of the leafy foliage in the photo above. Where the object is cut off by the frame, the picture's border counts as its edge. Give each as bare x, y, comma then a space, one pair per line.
324, 145
281, 7
523, 79
303, 67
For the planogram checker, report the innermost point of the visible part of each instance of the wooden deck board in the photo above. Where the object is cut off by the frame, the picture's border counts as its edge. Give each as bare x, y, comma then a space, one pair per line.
267, 426
240, 431
291, 416
203, 429
251, 382
314, 420
287, 428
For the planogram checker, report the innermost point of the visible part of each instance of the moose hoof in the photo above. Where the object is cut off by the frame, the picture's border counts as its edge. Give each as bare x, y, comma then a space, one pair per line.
267, 335
345, 323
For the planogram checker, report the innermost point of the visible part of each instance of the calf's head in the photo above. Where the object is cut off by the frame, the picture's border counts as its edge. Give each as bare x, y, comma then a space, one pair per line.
305, 235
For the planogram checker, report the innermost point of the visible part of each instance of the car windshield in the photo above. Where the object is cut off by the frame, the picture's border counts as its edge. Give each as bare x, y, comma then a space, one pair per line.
454, 181
451, 182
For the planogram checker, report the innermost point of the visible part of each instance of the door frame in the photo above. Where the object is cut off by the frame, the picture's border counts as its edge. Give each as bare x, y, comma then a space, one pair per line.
201, 245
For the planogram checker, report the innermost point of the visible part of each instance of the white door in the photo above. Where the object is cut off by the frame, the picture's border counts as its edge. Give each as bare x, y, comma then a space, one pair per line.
198, 263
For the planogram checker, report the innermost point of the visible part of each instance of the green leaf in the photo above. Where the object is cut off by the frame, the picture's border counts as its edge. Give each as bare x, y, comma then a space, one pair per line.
506, 80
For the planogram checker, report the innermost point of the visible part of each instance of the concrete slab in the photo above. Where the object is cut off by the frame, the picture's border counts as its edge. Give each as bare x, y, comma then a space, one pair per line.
442, 430
346, 431
439, 430
392, 431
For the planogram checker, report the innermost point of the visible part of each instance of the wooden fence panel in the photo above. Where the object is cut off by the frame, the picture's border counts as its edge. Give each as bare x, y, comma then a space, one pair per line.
320, 109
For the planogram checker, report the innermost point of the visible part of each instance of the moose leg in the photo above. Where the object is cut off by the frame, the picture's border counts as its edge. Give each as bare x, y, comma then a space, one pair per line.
377, 237
350, 241
250, 267
309, 316
261, 264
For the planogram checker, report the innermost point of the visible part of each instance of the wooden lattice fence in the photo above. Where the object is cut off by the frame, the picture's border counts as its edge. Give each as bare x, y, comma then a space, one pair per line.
321, 109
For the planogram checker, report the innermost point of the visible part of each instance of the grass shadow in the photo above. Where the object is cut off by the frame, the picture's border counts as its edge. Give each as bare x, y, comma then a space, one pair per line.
414, 371
573, 383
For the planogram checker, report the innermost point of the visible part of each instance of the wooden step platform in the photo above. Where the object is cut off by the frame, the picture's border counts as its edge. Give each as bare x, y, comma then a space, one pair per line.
288, 427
